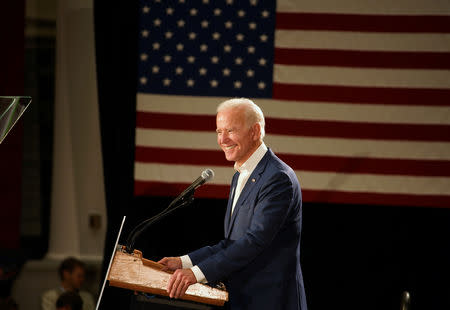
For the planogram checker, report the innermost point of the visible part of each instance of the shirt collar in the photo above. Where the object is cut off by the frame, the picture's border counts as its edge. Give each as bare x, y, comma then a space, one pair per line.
253, 160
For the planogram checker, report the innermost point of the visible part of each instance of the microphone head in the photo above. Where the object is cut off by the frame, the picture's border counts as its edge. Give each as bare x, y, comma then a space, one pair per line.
207, 175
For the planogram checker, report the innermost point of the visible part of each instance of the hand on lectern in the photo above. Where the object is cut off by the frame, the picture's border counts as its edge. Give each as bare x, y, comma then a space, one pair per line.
179, 282
171, 263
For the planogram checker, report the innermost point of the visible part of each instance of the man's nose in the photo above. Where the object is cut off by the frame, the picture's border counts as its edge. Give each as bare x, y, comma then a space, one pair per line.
223, 138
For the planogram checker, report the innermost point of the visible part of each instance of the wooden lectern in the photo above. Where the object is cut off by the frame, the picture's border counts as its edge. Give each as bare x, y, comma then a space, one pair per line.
133, 272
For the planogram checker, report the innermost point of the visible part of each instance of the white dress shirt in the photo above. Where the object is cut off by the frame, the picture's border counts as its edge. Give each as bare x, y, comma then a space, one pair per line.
245, 170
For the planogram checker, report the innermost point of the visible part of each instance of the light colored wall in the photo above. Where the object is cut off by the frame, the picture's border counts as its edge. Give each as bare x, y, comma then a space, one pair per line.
77, 181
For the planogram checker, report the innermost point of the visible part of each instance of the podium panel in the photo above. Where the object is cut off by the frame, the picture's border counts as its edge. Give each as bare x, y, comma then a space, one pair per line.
131, 271
140, 302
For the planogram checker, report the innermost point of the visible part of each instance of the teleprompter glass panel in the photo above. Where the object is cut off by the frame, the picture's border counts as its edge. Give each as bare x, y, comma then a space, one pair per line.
11, 109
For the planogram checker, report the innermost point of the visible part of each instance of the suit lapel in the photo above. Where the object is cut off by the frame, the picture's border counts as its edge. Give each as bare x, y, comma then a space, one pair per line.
250, 186
230, 203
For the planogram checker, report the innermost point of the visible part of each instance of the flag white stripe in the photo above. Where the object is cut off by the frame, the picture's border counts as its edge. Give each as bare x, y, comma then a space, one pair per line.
363, 41
365, 77
400, 7
302, 145
309, 180
400, 114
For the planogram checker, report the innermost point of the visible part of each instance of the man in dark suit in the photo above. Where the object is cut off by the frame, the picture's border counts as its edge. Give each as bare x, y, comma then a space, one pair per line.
259, 259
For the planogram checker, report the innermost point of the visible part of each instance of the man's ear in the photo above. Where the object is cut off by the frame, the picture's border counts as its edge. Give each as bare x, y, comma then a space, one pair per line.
256, 131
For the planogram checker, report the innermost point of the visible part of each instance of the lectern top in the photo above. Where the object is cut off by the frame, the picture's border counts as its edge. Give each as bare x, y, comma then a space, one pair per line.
133, 272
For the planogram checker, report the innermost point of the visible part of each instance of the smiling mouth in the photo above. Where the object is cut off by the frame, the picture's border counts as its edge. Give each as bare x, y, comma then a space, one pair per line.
227, 148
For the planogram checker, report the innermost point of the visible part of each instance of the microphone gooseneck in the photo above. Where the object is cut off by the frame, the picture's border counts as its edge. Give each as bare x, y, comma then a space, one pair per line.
184, 199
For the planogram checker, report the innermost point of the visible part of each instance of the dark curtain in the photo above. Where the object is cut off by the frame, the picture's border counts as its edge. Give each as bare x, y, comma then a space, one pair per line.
116, 49
11, 84
353, 256
12, 57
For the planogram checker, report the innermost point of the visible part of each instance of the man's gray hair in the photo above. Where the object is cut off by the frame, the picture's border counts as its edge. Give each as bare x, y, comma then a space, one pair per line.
253, 113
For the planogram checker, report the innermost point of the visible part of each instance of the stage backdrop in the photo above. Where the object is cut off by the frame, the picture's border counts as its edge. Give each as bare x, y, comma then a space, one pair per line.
355, 102
356, 95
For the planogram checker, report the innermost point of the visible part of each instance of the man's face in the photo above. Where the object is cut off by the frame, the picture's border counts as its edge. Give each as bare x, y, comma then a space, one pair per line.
76, 277
237, 139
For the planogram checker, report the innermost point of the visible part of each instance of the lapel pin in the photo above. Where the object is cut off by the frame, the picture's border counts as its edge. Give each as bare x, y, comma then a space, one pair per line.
253, 180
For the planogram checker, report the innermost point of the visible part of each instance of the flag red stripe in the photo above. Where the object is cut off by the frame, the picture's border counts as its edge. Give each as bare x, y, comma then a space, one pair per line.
379, 166
308, 128
175, 121
355, 130
222, 191
363, 22
442, 201
367, 59
357, 94
142, 188
180, 156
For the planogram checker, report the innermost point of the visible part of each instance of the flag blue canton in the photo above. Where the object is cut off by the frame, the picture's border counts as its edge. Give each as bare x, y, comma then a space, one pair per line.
207, 48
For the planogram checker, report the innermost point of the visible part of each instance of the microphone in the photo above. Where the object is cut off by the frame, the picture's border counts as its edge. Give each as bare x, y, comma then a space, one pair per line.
405, 301
206, 175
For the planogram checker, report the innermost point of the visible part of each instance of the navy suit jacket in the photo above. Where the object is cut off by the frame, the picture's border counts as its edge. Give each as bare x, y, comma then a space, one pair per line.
259, 259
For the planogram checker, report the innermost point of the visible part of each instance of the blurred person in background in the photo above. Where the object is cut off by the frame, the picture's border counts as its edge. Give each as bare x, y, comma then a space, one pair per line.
69, 301
72, 274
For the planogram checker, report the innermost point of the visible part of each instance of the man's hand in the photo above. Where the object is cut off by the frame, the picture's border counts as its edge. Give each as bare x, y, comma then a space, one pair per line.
171, 263
179, 282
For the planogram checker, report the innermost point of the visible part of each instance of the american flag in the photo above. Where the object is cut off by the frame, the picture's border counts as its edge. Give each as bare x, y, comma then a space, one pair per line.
356, 94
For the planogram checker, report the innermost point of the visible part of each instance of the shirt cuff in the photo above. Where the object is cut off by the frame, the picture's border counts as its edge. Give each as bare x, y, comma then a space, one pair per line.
186, 261
198, 274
